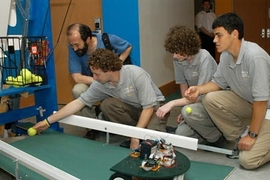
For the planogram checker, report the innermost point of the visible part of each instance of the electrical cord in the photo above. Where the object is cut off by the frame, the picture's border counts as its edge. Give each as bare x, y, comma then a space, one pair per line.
61, 29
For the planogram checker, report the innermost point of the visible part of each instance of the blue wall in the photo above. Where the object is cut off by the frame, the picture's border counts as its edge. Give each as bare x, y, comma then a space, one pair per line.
121, 17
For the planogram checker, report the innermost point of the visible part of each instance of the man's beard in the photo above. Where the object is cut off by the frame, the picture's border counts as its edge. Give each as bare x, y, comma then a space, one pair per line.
83, 51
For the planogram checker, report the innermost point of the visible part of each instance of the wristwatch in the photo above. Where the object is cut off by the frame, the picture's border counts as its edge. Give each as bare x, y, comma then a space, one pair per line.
252, 134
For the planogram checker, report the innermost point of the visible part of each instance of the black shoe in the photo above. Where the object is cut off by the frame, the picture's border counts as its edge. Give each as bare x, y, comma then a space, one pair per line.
220, 143
97, 110
170, 129
125, 144
91, 134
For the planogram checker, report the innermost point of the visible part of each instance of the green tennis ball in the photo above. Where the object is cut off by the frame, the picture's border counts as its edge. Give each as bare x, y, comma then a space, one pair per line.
31, 131
19, 78
26, 74
9, 78
38, 79
189, 110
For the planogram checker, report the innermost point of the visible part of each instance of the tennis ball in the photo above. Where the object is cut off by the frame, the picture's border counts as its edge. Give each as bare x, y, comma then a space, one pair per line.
26, 74
31, 131
38, 79
189, 110
19, 78
9, 78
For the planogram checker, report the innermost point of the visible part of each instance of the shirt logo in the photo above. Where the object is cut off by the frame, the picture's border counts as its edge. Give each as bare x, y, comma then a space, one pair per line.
129, 91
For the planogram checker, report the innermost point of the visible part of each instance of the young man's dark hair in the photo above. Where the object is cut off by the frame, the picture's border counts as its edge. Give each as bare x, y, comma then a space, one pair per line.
230, 22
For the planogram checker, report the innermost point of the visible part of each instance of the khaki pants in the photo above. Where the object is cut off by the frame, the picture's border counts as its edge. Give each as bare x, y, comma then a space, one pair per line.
232, 114
117, 111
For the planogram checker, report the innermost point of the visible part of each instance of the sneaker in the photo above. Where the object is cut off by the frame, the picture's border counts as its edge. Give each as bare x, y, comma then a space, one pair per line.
170, 129
234, 155
235, 152
100, 116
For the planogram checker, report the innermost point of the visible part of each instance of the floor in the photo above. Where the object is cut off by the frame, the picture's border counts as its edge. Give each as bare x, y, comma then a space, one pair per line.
263, 173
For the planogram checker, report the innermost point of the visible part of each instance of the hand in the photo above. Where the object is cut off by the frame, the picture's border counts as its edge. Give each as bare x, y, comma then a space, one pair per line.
163, 110
179, 118
246, 143
40, 126
134, 143
192, 94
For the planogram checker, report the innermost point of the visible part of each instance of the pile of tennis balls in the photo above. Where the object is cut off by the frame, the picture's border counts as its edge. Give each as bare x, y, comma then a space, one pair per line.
25, 78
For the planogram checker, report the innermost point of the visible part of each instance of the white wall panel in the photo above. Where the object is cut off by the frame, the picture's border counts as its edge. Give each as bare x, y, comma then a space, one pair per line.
155, 19
4, 14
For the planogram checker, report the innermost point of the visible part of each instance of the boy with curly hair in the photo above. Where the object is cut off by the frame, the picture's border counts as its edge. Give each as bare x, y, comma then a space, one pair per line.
192, 66
128, 95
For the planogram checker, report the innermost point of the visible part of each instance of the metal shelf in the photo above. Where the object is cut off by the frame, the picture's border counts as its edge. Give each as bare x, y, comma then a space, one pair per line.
30, 90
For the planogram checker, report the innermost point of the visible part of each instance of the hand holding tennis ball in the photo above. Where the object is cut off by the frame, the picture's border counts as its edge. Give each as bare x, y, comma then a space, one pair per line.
31, 131
188, 110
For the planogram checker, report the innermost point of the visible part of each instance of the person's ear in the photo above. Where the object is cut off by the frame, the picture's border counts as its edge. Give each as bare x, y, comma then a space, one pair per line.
235, 34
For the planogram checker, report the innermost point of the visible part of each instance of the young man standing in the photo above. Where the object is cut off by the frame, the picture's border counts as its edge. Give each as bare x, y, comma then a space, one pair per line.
245, 68
203, 21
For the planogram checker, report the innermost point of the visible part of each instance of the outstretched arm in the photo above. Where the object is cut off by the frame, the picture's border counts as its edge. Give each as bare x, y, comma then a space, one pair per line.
71, 108
142, 123
163, 110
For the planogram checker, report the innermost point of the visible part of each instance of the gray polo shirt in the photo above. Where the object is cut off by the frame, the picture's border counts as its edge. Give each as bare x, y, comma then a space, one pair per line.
249, 77
135, 88
200, 71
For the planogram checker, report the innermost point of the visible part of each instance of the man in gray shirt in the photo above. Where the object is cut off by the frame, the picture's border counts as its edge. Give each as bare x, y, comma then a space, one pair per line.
245, 68
128, 95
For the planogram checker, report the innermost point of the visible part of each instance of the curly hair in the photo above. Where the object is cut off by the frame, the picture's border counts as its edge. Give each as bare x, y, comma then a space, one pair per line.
105, 60
182, 40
